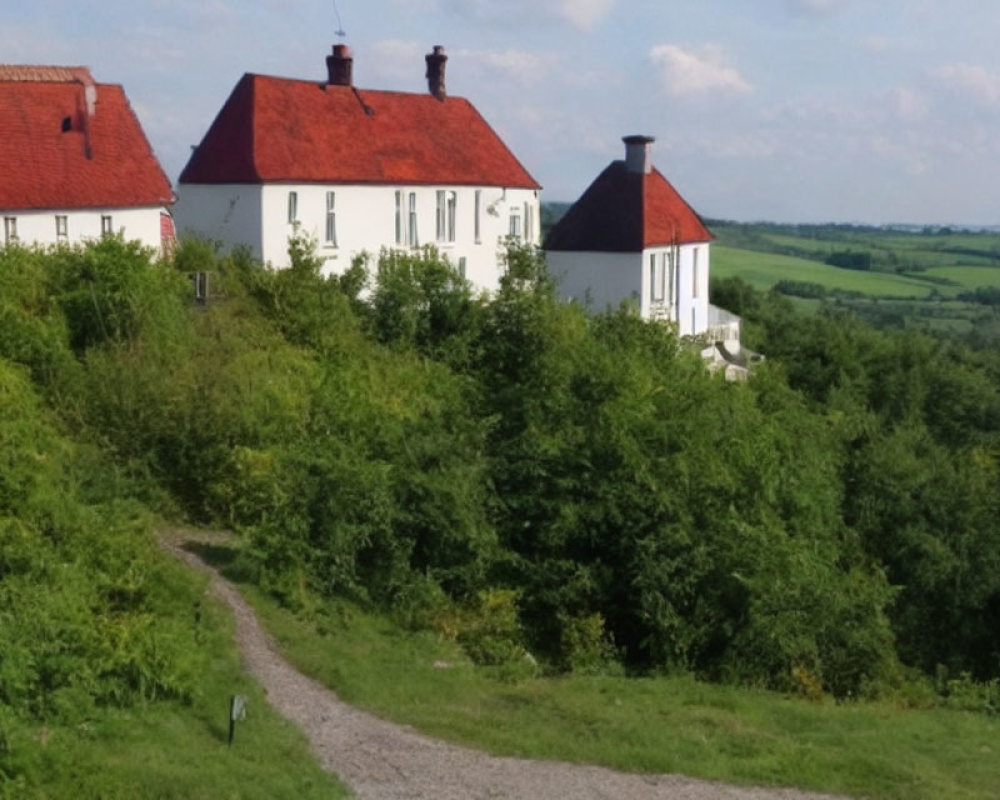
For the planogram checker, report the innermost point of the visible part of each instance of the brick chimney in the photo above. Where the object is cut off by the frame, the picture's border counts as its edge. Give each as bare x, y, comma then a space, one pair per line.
637, 157
435, 72
339, 66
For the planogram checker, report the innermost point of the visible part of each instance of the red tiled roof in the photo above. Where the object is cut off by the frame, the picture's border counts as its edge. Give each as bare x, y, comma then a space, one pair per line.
626, 212
42, 72
43, 166
276, 129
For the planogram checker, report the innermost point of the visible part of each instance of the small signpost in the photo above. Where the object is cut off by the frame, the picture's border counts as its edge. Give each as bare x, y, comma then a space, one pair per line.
237, 713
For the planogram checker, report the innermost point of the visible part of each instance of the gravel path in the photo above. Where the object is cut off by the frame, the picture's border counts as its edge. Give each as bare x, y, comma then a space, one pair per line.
381, 760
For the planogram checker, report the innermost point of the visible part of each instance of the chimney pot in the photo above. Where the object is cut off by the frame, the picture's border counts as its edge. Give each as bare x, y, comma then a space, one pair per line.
435, 72
340, 66
637, 158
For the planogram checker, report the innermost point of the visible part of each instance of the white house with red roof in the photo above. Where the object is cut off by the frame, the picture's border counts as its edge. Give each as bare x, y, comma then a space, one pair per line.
75, 163
631, 236
357, 171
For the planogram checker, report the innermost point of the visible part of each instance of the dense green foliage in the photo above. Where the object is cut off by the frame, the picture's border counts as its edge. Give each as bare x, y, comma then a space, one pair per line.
551, 490
96, 624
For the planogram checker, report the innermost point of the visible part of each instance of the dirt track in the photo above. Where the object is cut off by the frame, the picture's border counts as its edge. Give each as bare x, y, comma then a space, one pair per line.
381, 760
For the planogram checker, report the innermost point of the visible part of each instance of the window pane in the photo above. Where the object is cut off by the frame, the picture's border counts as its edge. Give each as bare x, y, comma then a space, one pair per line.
331, 218
452, 204
400, 229
414, 241
478, 210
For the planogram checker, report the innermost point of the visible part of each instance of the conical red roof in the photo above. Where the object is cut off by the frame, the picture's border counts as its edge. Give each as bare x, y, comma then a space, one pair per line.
627, 212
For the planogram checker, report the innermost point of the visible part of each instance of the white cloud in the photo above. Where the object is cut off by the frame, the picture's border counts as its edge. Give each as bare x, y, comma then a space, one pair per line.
396, 59
518, 65
975, 81
816, 7
697, 71
909, 105
876, 45
584, 14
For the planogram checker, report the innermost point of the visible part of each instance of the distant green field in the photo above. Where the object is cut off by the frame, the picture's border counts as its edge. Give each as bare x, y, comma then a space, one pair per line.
763, 270
967, 277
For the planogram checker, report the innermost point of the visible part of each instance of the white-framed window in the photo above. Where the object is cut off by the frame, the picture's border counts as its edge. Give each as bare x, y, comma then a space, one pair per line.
515, 223
400, 219
411, 228
9, 230
452, 213
331, 219
107, 225
447, 202
656, 276
694, 321
440, 216
478, 215
529, 223
694, 274
293, 208
62, 228
462, 266
671, 277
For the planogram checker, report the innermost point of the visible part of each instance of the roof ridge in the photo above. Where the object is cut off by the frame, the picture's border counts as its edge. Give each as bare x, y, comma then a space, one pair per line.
45, 73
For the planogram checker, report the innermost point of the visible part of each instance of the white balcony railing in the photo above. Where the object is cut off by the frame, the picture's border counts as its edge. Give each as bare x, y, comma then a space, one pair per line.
722, 326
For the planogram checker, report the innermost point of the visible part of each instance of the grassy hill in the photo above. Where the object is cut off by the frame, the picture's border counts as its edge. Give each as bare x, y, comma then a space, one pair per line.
915, 279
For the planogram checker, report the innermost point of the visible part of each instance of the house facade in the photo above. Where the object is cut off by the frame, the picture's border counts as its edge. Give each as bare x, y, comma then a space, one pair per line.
357, 171
632, 237
75, 164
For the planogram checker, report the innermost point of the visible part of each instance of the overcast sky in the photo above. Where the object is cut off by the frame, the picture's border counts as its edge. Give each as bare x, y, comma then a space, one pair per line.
792, 110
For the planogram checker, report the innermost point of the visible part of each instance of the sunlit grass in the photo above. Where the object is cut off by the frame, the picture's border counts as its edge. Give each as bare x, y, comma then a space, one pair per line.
171, 750
656, 725
763, 270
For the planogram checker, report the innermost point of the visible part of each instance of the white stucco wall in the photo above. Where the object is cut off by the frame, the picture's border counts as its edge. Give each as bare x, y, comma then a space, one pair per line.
365, 221
226, 213
606, 279
687, 304
39, 227
600, 281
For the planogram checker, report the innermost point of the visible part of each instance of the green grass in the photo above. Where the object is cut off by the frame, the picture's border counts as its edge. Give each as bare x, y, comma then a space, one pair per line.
171, 750
967, 277
763, 270
646, 725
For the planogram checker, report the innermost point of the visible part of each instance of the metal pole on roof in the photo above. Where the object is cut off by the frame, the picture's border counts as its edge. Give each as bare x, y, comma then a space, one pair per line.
340, 26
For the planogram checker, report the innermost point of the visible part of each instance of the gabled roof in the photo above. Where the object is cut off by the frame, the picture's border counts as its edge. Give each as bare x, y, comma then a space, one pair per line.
66, 142
626, 212
281, 130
